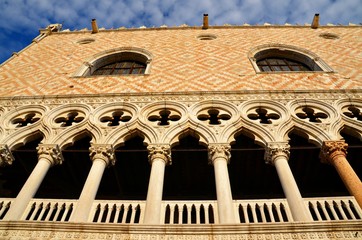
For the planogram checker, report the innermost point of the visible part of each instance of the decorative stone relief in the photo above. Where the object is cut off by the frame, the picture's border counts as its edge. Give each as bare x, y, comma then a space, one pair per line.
69, 119
164, 117
263, 115
115, 118
214, 116
274, 150
311, 114
27, 119
104, 152
6, 157
217, 151
159, 151
330, 149
352, 112
50, 152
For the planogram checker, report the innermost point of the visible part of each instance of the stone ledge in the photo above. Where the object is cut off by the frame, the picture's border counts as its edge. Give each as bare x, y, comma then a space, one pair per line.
303, 230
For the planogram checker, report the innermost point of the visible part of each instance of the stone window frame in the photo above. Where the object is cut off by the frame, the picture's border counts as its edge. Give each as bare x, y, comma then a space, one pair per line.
115, 55
306, 57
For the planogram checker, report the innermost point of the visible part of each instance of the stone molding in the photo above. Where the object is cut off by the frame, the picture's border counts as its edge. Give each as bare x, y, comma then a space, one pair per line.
275, 150
277, 231
159, 151
331, 149
50, 152
6, 157
103, 152
219, 150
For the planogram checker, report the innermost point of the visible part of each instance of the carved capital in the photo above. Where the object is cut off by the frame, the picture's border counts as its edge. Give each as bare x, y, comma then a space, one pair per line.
159, 151
219, 150
331, 149
104, 152
274, 150
50, 152
6, 157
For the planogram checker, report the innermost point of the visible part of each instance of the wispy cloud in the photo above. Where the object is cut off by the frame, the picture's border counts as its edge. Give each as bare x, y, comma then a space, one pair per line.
25, 17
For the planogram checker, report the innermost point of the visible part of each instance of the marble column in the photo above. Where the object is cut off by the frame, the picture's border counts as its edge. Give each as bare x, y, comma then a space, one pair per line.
334, 153
48, 155
159, 156
6, 157
101, 155
277, 154
219, 156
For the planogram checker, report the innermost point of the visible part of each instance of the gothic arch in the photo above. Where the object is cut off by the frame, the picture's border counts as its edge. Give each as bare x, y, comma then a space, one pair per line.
350, 110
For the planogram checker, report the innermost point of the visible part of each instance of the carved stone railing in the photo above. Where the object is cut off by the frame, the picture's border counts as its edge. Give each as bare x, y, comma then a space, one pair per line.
189, 212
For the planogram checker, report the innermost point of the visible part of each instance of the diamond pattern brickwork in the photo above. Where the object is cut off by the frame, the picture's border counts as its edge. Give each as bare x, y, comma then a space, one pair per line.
182, 62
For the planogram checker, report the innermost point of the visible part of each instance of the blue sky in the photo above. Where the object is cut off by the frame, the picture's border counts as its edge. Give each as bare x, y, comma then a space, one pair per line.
20, 20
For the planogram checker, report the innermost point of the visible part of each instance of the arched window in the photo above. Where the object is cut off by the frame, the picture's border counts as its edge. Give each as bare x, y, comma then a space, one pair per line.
121, 61
121, 68
285, 58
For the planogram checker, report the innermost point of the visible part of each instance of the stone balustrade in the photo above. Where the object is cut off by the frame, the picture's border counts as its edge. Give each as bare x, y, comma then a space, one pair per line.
189, 212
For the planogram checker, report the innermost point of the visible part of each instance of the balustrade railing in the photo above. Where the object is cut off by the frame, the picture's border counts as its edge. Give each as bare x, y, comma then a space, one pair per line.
189, 212
5, 204
336, 208
49, 210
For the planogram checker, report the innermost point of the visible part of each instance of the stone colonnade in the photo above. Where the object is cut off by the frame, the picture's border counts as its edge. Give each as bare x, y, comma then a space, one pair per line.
277, 153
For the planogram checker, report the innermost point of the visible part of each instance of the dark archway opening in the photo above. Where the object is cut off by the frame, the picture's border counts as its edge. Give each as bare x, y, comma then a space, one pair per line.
128, 179
353, 152
250, 176
190, 177
66, 181
314, 179
14, 176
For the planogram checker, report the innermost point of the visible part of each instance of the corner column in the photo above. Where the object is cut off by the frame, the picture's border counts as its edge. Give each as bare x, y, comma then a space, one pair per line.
219, 156
102, 155
48, 155
159, 155
277, 154
334, 153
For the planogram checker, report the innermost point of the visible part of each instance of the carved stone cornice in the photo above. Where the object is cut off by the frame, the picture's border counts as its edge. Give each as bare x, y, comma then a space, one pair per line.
331, 149
50, 152
6, 157
219, 150
274, 150
159, 151
103, 152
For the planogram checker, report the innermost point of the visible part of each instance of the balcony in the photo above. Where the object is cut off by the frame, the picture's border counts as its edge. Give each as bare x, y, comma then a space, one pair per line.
189, 212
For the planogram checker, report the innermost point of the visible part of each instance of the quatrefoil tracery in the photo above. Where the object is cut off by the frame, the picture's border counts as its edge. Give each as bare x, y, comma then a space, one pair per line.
116, 118
263, 116
214, 116
69, 119
353, 112
28, 119
311, 114
164, 117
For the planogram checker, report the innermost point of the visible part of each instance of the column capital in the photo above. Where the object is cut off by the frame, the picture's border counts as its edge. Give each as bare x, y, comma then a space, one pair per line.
50, 152
331, 149
273, 150
103, 152
159, 151
6, 157
219, 150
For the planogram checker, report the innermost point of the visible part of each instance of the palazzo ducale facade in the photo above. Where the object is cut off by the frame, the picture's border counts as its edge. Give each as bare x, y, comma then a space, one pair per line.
114, 145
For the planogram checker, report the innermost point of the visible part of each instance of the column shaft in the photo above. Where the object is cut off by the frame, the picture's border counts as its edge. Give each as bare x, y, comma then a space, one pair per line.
154, 193
291, 191
223, 192
102, 155
28, 190
159, 155
89, 191
48, 155
219, 155
334, 152
277, 153
349, 177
